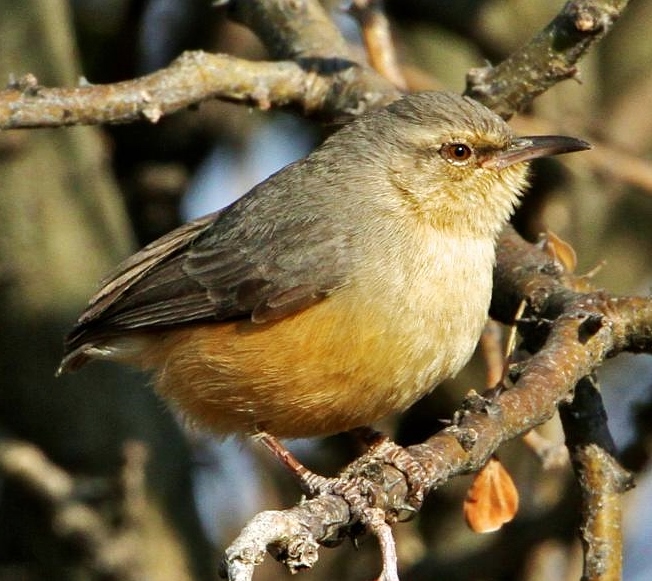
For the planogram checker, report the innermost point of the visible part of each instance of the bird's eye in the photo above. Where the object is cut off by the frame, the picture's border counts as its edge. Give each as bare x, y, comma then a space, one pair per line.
456, 152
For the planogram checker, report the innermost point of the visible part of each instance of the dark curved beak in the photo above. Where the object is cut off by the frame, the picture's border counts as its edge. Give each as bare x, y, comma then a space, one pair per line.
526, 148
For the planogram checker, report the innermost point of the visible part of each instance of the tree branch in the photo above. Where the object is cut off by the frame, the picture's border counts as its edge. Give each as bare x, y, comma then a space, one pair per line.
602, 480
550, 57
192, 78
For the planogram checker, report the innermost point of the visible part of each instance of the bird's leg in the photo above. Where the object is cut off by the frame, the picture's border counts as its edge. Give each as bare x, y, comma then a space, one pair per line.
310, 481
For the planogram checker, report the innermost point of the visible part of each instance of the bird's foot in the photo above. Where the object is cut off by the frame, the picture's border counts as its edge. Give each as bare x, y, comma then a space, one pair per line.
388, 452
388, 469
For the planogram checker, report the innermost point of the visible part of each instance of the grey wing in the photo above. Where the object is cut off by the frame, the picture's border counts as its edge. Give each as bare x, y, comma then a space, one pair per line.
220, 267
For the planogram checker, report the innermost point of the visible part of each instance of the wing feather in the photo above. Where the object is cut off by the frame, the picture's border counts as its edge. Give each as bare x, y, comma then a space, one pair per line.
220, 267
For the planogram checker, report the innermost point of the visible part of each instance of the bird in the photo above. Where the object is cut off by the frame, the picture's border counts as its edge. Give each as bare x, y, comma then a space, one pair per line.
340, 290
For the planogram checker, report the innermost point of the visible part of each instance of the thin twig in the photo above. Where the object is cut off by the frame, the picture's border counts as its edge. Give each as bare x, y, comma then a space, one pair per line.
377, 37
551, 454
492, 352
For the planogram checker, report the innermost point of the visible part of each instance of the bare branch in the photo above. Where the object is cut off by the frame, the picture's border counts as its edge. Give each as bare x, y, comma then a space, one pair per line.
291, 535
292, 29
602, 480
550, 57
192, 78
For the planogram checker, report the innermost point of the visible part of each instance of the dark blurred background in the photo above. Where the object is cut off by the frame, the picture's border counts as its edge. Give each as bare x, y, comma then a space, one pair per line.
73, 202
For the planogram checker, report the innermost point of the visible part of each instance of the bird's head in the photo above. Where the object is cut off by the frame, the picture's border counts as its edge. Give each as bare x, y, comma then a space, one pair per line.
458, 164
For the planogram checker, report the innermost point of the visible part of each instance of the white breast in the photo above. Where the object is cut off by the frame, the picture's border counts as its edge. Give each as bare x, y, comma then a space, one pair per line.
436, 305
